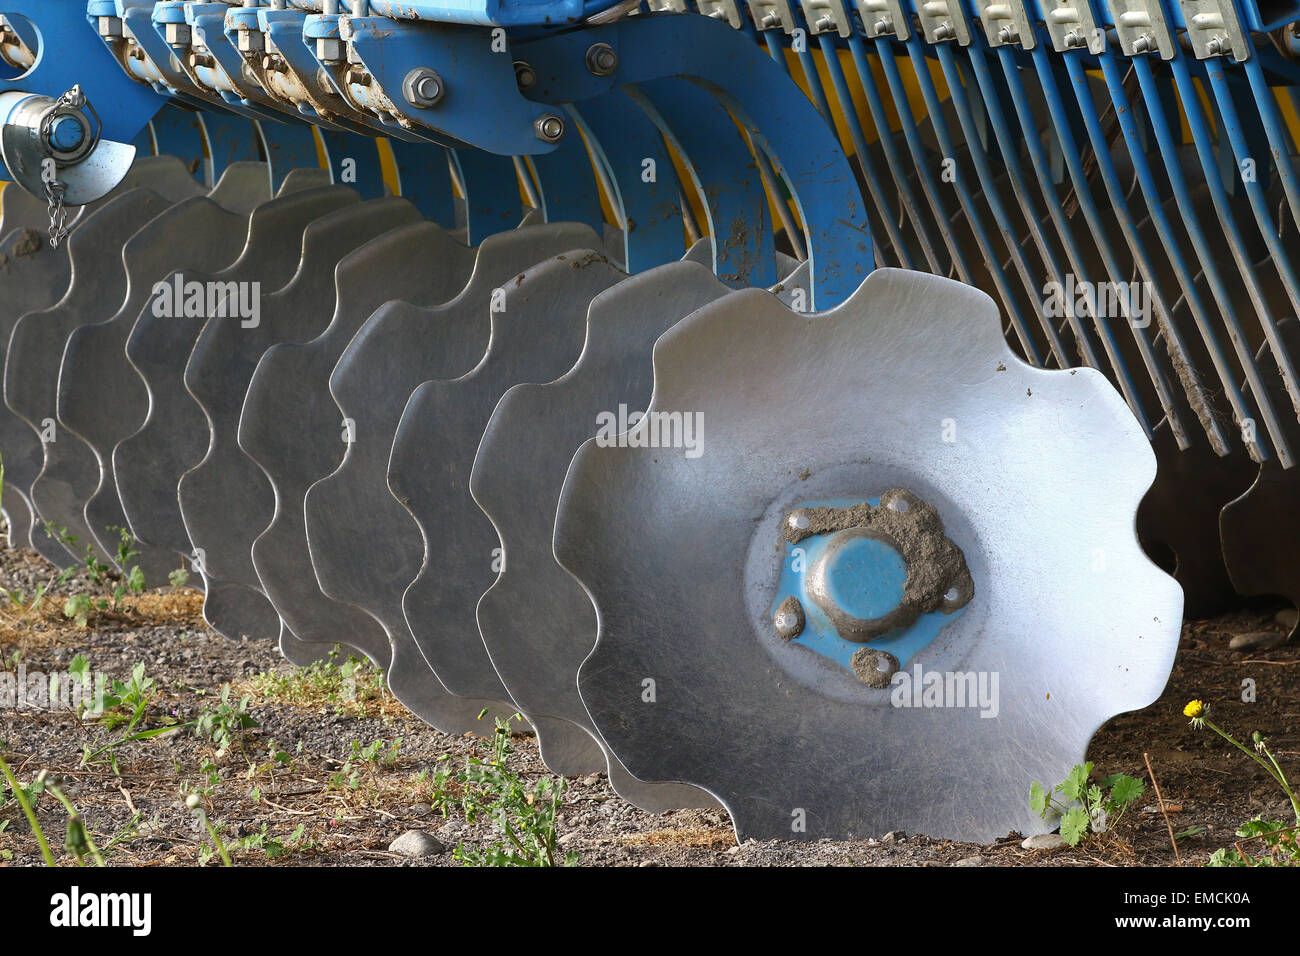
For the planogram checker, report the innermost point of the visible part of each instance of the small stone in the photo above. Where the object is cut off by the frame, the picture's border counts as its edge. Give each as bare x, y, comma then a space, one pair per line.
1256, 641
591, 780
894, 836
1044, 841
971, 861
416, 843
1287, 618
569, 838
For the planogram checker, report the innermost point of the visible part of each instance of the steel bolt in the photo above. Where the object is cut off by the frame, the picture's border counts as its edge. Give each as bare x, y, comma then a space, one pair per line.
1142, 44
110, 28
884, 25
826, 23
769, 21
525, 75
943, 31
549, 128
601, 59
1215, 46
423, 88
1008, 34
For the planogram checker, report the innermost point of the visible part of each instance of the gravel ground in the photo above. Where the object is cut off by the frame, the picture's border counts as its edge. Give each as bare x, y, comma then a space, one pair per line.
346, 820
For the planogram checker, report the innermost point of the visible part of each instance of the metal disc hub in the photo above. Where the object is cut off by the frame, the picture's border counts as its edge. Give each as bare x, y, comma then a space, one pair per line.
879, 572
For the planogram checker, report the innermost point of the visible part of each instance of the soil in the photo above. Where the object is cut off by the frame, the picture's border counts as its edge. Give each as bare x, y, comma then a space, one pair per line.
351, 821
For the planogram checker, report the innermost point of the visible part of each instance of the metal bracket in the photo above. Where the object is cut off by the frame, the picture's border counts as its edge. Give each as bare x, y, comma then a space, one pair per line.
942, 21
826, 16
1072, 26
726, 10
1141, 27
1214, 29
1006, 22
884, 18
667, 6
771, 14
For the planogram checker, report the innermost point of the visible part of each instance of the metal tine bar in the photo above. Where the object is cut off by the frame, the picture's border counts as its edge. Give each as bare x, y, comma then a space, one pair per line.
1074, 166
808, 63
772, 186
989, 95
1183, 365
979, 155
1201, 243
1278, 139
930, 186
699, 129
885, 136
491, 191
622, 137
1231, 124
525, 176
875, 182
1043, 172
1182, 269
973, 216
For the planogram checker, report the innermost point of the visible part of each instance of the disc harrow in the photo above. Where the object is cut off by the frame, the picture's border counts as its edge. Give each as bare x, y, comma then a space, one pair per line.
758, 399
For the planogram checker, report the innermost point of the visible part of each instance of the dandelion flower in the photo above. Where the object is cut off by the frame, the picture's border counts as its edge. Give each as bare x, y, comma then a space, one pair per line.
1194, 709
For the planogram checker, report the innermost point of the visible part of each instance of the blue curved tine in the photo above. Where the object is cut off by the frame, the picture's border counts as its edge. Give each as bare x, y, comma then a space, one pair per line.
1203, 140
959, 266
1201, 311
975, 76
994, 96
826, 38
1012, 304
1072, 156
1167, 142
725, 175
921, 223
179, 132
490, 187
288, 146
1195, 391
228, 139
642, 177
353, 160
1232, 126
424, 178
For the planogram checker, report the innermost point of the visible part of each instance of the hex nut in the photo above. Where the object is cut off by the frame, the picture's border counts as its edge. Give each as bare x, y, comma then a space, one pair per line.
423, 88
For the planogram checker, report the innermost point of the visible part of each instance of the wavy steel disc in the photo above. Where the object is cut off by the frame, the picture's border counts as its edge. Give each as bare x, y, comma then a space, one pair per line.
1046, 470
537, 622
101, 397
292, 428
225, 499
149, 464
69, 473
537, 335
364, 545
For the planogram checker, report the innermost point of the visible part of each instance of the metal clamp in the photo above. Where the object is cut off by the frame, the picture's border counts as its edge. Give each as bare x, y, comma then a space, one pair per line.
1141, 28
771, 14
1213, 29
826, 16
727, 10
1006, 22
942, 21
884, 18
1072, 26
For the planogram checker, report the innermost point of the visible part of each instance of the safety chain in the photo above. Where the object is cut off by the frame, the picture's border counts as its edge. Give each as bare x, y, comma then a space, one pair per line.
54, 190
